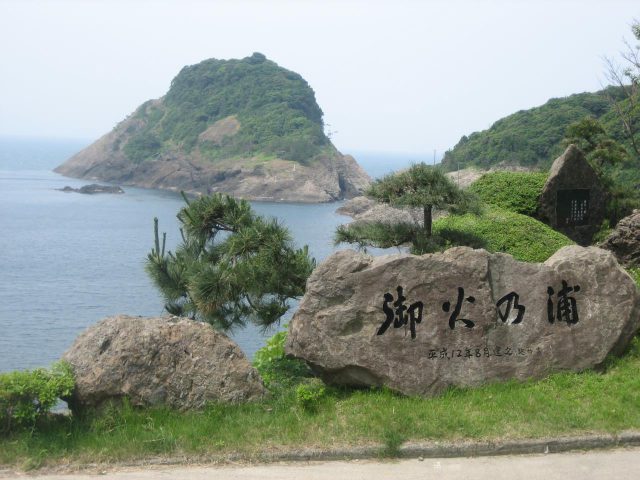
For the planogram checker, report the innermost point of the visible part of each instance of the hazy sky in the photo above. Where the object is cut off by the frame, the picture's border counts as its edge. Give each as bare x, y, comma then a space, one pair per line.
397, 76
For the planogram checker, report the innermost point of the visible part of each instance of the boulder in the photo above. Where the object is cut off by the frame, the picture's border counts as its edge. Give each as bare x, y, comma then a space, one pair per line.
159, 361
624, 241
363, 209
573, 200
467, 317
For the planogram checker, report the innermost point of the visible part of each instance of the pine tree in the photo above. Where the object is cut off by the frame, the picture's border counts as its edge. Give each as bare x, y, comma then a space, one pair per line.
420, 186
232, 266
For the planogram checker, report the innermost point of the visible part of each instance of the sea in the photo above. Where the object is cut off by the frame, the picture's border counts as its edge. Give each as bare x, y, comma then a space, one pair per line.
68, 260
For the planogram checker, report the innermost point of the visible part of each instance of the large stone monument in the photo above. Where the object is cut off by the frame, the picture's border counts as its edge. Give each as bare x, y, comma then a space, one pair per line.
573, 200
419, 324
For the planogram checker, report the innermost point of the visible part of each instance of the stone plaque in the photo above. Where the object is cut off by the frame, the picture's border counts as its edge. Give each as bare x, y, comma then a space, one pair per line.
572, 207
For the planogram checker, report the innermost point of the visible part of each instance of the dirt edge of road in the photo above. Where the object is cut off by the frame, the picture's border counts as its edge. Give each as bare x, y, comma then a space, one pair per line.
419, 450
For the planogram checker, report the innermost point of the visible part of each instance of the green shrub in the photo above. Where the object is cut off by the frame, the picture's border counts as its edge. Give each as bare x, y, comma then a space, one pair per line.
27, 395
514, 191
635, 274
602, 234
444, 239
310, 394
523, 237
142, 147
276, 369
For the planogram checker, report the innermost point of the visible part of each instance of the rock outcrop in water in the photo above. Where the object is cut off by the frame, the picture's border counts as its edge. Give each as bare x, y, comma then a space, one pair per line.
247, 128
93, 188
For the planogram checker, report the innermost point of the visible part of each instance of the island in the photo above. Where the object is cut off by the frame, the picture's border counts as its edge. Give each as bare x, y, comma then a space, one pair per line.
247, 128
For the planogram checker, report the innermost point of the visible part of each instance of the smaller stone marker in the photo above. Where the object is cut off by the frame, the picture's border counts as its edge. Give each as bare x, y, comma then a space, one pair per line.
573, 200
419, 324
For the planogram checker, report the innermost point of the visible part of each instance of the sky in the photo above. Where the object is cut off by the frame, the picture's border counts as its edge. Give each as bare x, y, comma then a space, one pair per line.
391, 76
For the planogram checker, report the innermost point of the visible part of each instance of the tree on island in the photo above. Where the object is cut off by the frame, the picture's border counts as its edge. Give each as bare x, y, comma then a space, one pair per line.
232, 266
420, 186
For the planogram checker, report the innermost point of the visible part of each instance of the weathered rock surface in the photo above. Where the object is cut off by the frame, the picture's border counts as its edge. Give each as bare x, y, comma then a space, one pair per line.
326, 179
364, 209
624, 241
94, 188
466, 176
573, 199
159, 361
594, 308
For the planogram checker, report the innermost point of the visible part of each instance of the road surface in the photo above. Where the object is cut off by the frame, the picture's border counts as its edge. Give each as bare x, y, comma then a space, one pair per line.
619, 464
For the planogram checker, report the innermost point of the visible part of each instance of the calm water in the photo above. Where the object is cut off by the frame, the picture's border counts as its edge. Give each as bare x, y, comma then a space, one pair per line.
68, 260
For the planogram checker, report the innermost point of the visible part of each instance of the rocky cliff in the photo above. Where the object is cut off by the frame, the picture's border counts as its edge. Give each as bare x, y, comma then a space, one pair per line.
248, 128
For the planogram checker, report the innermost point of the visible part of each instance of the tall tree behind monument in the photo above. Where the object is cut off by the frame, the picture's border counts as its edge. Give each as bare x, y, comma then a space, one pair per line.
627, 78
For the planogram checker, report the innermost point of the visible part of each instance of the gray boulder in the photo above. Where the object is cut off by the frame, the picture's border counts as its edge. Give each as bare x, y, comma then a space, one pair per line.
624, 241
159, 361
468, 317
363, 209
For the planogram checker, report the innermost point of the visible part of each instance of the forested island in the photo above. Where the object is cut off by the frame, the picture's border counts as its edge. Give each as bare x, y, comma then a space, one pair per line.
248, 128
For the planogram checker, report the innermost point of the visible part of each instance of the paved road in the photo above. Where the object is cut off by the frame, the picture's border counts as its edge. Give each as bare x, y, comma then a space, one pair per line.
619, 464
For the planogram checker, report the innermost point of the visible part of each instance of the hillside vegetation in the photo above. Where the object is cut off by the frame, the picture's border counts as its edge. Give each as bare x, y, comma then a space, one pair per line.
500, 230
533, 137
260, 108
517, 192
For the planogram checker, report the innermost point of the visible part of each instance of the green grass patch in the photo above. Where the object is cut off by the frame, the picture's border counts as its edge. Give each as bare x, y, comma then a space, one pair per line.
635, 274
563, 404
523, 237
514, 191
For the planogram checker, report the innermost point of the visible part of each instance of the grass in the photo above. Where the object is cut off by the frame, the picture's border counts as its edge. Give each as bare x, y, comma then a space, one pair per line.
501, 230
514, 191
563, 404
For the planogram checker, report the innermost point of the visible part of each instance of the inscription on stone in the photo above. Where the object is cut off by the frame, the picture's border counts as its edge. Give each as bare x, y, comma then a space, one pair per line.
573, 207
508, 308
504, 351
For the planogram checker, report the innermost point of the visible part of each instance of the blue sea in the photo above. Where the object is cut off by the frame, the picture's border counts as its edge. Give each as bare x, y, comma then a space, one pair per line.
68, 260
